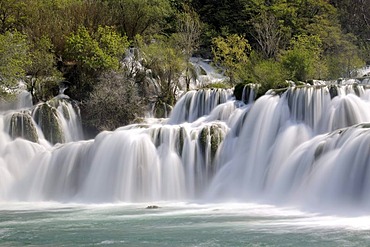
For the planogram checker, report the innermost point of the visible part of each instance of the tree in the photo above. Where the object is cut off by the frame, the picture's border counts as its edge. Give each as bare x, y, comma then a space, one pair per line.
97, 51
14, 58
232, 54
354, 16
345, 59
114, 102
269, 74
58, 19
166, 64
92, 54
43, 76
140, 16
302, 60
12, 15
187, 36
339, 49
268, 34
224, 16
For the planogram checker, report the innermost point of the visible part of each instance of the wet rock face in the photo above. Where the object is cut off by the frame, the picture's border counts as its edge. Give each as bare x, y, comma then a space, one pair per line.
57, 121
22, 125
245, 92
47, 118
210, 136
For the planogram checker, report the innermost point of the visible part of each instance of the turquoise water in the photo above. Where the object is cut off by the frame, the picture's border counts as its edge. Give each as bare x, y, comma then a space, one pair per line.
176, 224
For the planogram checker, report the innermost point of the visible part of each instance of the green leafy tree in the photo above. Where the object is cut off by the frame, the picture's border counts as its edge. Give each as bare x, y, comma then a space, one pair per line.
143, 17
98, 51
43, 76
58, 19
302, 61
187, 36
166, 64
92, 54
354, 16
269, 74
232, 54
12, 15
345, 59
14, 58
339, 49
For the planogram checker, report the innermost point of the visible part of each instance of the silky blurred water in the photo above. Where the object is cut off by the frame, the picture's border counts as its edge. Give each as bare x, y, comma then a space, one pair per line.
175, 224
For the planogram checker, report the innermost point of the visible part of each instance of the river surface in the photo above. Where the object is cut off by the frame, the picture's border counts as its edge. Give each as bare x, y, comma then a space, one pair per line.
175, 224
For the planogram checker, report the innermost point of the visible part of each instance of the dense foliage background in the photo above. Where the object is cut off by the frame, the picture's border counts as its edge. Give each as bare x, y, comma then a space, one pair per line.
117, 56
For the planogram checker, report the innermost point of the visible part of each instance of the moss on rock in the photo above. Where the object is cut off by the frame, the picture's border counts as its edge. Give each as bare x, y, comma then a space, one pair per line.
243, 91
181, 140
216, 138
210, 136
46, 117
22, 125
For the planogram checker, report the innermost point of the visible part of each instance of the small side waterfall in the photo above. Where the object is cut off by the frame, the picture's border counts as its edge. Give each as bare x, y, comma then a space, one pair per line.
21, 99
206, 74
56, 121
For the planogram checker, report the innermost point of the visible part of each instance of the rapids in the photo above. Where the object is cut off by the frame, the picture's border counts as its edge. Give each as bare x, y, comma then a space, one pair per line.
308, 146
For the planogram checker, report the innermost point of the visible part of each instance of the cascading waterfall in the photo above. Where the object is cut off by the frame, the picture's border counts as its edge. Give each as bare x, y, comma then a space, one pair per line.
308, 146
55, 121
286, 150
129, 164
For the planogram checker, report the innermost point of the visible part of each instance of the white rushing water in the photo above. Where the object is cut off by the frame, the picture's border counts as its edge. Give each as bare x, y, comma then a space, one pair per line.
307, 147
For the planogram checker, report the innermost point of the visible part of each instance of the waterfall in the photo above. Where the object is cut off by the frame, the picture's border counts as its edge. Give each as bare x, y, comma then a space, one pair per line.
298, 148
195, 104
206, 74
306, 146
129, 164
20, 99
55, 121
59, 120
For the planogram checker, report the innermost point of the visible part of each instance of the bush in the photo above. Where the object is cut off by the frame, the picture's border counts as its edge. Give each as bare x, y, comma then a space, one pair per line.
114, 102
270, 75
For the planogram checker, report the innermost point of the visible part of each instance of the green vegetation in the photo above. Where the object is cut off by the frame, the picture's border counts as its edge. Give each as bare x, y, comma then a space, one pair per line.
82, 44
14, 58
232, 54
